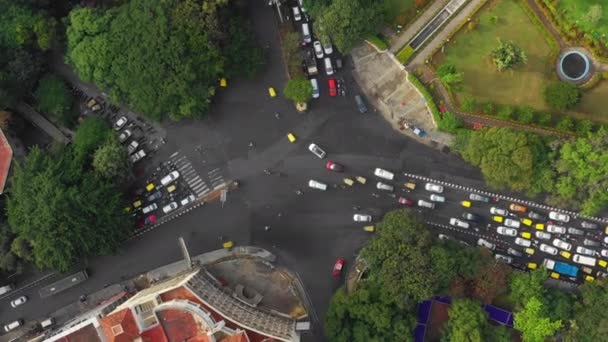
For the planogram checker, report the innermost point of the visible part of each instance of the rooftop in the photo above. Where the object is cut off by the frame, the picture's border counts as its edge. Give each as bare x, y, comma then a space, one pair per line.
6, 156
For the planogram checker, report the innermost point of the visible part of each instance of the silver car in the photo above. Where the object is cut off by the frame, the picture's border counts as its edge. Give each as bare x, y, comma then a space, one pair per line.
362, 218
543, 235
499, 211
523, 242
548, 249
479, 198
562, 244
515, 252
426, 204
589, 225
458, 223
585, 251
503, 258
512, 223
378, 172
486, 244
554, 215
383, 186
551, 228
575, 231
433, 187
170, 207
18, 301
316, 150
437, 198
506, 231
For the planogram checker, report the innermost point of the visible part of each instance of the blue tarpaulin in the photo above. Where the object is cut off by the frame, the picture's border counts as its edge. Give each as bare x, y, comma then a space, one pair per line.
499, 315
424, 311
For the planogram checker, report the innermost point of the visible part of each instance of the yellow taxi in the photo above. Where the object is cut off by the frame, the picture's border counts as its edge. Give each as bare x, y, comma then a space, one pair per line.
348, 181
150, 187
589, 278
565, 254
526, 221
291, 137
532, 266
606, 230
466, 204
370, 229
554, 275
228, 244
498, 218
361, 180
529, 251
539, 226
127, 209
223, 82
137, 204
526, 235
171, 188
602, 263
272, 92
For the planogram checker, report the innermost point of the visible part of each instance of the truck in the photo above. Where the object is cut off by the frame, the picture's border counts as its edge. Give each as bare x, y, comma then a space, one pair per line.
561, 267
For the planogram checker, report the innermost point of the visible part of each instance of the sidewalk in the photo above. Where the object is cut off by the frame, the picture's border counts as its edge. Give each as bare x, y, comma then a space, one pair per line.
31, 115
412, 29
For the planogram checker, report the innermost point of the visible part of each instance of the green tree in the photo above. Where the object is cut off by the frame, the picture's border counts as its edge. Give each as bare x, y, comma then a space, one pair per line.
448, 75
243, 56
544, 119
299, 90
498, 333
559, 304
450, 123
9, 262
526, 115
54, 98
110, 159
91, 134
584, 127
510, 159
524, 286
469, 104
565, 124
506, 112
507, 55
467, 322
562, 95
490, 280
590, 315
21, 26
489, 108
22, 248
533, 323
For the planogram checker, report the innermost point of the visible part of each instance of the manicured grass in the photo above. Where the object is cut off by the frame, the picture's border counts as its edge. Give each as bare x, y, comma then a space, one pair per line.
378, 41
470, 50
405, 54
594, 103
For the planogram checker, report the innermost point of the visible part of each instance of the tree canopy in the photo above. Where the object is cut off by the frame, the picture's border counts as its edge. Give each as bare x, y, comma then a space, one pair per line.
54, 98
299, 90
590, 315
562, 95
533, 323
507, 55
162, 57
467, 322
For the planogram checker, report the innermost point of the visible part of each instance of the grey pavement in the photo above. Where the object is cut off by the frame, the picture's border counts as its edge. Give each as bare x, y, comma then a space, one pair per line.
42, 123
445, 32
398, 41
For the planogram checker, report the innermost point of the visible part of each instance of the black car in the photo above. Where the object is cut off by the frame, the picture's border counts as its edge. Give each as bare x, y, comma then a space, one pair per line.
155, 196
536, 216
471, 217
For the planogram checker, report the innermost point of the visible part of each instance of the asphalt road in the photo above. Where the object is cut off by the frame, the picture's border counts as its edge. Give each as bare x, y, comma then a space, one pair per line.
313, 229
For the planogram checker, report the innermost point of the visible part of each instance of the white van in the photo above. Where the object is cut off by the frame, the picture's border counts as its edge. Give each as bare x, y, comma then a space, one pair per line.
329, 69
306, 33
584, 260
6, 289
47, 323
317, 185
315, 88
296, 14
13, 325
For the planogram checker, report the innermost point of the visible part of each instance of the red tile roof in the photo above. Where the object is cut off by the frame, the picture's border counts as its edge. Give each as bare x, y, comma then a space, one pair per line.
6, 156
179, 326
156, 334
86, 334
122, 320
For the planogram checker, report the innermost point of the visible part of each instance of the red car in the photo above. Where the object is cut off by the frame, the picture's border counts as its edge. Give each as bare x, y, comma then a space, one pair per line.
406, 201
338, 268
334, 166
332, 87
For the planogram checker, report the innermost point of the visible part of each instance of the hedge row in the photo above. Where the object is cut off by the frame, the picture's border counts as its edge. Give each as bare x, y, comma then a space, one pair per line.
405, 54
378, 42
427, 96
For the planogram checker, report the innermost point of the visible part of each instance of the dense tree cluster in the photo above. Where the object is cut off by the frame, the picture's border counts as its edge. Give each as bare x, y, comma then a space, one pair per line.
562, 95
162, 57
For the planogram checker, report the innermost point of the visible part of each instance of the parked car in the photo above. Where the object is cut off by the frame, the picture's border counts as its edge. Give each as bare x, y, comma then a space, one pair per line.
591, 243
517, 208
383, 186
471, 217
297, 16
149, 208
315, 88
502, 230
316, 150
291, 137
13, 325
327, 48
132, 147
18, 301
334, 166
589, 225
406, 201
604, 253
170, 207
187, 200
485, 243
362, 218
168, 179
360, 104
318, 49
554, 215
150, 219
139, 155
575, 231
526, 221
124, 135
548, 249
317, 185
479, 198
551, 228
561, 244
542, 235
512, 223
433, 187
523, 242
333, 90
154, 196
120, 123
338, 266
536, 216
515, 252
459, 223
378, 172
585, 251
437, 198
499, 211
503, 258
426, 204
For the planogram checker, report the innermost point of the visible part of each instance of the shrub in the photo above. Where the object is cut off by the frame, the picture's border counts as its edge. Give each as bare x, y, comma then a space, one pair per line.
405, 54
378, 42
525, 115
54, 98
299, 90
489, 108
562, 95
469, 104
427, 96
448, 75
507, 55
565, 124
506, 112
543, 119
449, 123
584, 127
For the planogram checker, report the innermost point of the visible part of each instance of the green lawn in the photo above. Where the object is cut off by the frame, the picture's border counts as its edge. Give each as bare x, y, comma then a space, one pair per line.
581, 13
594, 103
470, 51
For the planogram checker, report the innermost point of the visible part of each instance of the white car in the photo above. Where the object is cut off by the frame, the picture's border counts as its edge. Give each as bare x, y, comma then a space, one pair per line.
18, 301
503, 258
548, 249
120, 123
604, 253
506, 231
132, 147
458, 223
328, 48
383, 186
437, 198
585, 251
318, 49
362, 218
479, 198
187, 200
137, 156
499, 211
297, 16
316, 150
445, 237
551, 228
542, 235
13, 325
168, 179
554, 215
150, 208
124, 135
378, 172
433, 187
169, 207
317, 185
512, 223
606, 240
523, 242
426, 204
486, 244
562, 244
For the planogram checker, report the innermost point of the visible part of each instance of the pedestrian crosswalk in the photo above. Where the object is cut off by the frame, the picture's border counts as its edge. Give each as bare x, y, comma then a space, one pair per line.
194, 180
